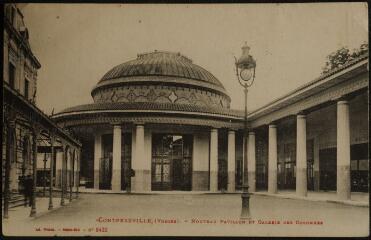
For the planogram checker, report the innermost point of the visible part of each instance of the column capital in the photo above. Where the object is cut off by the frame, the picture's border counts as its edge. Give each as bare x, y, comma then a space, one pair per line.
342, 102
231, 131
11, 123
301, 115
252, 133
53, 135
139, 125
65, 146
36, 128
115, 123
272, 125
117, 126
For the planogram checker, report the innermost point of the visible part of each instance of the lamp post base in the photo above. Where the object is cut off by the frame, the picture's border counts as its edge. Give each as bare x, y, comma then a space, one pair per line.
33, 212
245, 196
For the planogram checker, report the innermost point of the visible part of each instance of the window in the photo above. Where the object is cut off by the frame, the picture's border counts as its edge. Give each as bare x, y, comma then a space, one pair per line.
26, 88
11, 75
359, 166
12, 16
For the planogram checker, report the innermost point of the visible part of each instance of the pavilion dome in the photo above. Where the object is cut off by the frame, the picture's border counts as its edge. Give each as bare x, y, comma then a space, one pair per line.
163, 77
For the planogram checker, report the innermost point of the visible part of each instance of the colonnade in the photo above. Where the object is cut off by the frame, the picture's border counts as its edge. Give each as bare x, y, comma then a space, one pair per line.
67, 173
343, 154
142, 166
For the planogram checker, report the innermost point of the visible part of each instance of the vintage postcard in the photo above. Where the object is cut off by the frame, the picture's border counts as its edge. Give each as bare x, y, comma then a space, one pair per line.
185, 120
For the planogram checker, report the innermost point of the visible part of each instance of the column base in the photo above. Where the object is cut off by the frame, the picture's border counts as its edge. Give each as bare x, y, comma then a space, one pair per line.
301, 182
116, 180
213, 181
141, 182
200, 180
343, 182
96, 179
231, 186
272, 182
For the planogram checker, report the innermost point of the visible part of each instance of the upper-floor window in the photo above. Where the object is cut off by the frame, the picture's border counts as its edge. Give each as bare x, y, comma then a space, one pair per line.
12, 16
26, 88
11, 75
11, 12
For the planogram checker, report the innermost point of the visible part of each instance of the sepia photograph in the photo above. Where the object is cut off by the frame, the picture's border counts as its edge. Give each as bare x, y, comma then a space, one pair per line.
123, 119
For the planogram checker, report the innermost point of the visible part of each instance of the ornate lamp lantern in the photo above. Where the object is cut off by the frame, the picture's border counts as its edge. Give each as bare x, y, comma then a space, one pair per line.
245, 67
245, 71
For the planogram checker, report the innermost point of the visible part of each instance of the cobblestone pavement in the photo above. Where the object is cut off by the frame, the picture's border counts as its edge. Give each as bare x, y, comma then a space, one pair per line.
206, 214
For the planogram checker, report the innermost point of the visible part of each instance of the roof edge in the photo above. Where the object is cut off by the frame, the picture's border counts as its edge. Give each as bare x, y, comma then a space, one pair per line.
310, 83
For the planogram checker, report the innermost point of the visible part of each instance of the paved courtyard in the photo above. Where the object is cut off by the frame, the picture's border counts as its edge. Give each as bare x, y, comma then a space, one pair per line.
194, 214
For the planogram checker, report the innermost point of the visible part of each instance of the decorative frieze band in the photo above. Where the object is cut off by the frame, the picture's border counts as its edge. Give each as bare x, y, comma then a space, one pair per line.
162, 94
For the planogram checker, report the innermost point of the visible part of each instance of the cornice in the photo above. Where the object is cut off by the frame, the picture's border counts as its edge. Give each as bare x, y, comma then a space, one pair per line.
96, 120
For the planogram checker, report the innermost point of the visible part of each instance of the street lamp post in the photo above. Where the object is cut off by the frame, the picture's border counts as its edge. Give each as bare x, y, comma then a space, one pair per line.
245, 71
44, 175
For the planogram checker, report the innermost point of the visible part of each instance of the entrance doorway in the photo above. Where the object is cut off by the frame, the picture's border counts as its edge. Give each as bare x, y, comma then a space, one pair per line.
327, 168
171, 162
105, 174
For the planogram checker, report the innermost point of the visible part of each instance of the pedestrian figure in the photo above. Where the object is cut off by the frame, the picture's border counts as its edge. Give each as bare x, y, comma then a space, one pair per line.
28, 190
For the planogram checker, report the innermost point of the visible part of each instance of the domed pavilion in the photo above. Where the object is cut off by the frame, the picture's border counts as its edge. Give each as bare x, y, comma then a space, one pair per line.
158, 122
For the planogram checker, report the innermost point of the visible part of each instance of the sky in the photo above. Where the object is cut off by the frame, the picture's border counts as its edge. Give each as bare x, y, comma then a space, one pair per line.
77, 44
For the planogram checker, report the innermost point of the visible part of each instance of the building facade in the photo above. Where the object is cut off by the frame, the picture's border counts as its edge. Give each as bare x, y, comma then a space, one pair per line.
19, 73
316, 137
27, 131
160, 123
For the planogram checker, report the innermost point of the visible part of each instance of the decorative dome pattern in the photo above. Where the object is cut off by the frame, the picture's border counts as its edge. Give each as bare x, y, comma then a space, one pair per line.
161, 77
162, 64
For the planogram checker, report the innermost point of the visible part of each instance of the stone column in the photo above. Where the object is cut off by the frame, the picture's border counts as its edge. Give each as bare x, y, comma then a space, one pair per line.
78, 172
116, 159
301, 155
343, 151
141, 165
251, 162
52, 152
214, 160
231, 187
58, 168
35, 134
97, 157
70, 173
63, 176
272, 159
